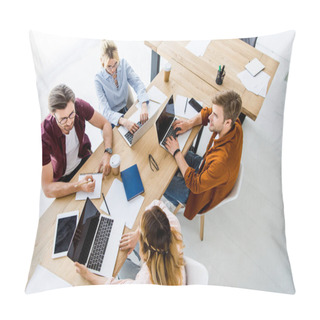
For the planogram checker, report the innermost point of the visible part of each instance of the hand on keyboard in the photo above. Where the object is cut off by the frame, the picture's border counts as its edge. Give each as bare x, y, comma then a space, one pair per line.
129, 135
129, 125
144, 113
176, 132
181, 126
171, 144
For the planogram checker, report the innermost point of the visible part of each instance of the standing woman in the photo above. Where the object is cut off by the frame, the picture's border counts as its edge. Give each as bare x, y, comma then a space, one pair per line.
112, 88
161, 247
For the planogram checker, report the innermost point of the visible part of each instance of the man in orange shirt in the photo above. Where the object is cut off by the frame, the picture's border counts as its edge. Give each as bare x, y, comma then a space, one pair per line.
207, 180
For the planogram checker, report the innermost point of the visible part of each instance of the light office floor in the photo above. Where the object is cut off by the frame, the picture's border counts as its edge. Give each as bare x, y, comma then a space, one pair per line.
242, 240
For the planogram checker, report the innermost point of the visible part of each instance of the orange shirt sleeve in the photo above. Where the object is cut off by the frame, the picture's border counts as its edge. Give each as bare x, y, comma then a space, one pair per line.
205, 113
214, 174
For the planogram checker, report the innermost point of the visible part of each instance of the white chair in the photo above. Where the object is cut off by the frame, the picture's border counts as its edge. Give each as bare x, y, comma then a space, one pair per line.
130, 99
233, 195
196, 272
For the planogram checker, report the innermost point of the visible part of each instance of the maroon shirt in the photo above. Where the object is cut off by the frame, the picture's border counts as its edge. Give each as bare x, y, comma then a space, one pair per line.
54, 141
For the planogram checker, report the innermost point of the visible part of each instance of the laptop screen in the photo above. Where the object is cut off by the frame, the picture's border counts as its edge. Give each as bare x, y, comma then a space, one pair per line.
81, 242
165, 119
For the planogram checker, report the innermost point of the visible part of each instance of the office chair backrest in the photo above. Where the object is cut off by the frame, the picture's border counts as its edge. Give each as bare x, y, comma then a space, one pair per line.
196, 272
235, 190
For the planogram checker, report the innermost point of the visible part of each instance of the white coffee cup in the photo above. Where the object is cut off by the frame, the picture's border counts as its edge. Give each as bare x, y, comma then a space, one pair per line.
115, 164
167, 69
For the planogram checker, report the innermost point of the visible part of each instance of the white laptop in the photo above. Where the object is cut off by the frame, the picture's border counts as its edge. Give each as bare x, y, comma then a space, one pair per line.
130, 138
95, 242
156, 98
164, 126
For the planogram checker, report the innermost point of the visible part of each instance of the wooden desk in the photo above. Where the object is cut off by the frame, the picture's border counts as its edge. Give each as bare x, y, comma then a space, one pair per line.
155, 183
234, 54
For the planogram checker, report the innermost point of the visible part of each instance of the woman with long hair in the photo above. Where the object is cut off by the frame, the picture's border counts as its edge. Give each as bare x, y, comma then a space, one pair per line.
161, 245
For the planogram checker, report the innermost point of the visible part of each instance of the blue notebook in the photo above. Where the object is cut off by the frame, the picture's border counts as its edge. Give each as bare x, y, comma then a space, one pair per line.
132, 182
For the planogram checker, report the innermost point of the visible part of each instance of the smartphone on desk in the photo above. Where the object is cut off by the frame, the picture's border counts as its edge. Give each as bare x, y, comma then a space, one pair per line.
195, 105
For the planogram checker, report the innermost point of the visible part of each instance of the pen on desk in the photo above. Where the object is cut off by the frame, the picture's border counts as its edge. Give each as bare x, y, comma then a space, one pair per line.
104, 199
222, 69
154, 101
83, 182
185, 107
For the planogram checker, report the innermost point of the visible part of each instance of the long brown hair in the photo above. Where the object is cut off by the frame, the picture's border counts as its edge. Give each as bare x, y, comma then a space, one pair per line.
161, 248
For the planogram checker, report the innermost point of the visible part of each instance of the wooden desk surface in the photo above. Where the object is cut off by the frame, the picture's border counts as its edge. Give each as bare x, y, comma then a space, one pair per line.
155, 183
234, 54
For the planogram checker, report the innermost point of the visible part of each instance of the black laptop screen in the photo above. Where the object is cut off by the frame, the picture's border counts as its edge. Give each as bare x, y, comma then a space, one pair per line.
81, 243
165, 119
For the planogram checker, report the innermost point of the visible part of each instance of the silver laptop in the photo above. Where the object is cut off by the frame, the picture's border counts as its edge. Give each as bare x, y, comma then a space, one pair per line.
130, 138
95, 242
164, 126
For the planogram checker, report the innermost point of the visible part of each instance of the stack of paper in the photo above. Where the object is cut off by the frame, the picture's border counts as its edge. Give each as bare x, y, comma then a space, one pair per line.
183, 109
254, 67
154, 94
258, 84
118, 205
198, 48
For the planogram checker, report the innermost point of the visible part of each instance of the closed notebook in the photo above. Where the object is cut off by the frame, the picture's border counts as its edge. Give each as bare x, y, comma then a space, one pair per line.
254, 67
132, 182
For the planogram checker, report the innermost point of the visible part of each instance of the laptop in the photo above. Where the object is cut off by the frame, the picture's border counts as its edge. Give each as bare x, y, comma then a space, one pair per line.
164, 126
95, 242
132, 139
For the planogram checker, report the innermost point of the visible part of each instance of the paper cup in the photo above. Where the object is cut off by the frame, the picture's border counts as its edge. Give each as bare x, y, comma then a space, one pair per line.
167, 69
115, 164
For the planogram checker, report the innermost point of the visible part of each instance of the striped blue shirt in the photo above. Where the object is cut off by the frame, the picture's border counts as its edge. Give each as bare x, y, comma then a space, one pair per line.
113, 99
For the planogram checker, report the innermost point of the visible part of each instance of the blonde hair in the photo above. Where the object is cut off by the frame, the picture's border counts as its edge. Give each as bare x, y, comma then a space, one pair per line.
108, 51
161, 248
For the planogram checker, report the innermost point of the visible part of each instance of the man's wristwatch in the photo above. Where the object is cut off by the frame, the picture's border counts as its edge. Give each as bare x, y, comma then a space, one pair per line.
108, 150
174, 154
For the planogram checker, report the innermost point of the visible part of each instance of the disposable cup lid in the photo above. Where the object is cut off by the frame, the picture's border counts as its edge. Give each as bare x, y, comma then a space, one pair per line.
115, 161
167, 67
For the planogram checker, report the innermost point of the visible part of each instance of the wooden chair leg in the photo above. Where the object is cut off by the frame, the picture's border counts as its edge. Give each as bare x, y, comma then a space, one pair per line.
178, 207
201, 226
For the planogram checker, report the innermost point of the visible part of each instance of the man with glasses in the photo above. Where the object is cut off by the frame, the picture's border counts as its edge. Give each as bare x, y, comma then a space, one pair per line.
66, 147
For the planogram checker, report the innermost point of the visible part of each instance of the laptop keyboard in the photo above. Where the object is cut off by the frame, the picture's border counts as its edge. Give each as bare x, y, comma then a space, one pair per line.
100, 244
129, 135
171, 133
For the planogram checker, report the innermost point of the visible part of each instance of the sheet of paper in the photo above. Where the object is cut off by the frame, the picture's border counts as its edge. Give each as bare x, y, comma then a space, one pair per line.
157, 95
118, 205
96, 194
258, 84
198, 47
254, 67
154, 94
179, 107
